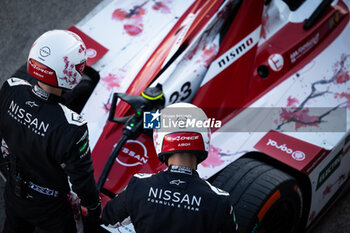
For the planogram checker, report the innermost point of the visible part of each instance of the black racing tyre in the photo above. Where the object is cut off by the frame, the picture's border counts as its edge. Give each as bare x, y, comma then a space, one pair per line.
264, 198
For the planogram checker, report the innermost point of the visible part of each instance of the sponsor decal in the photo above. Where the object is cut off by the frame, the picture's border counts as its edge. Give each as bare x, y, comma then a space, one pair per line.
276, 62
177, 141
42, 72
181, 138
297, 155
235, 52
45, 51
25, 118
133, 153
328, 170
174, 199
91, 53
31, 104
295, 55
177, 182
40, 68
232, 55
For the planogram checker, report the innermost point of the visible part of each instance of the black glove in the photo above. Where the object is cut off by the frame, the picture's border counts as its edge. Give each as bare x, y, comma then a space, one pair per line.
91, 218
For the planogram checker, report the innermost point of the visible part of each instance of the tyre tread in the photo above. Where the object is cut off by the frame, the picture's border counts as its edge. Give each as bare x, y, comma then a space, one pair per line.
250, 183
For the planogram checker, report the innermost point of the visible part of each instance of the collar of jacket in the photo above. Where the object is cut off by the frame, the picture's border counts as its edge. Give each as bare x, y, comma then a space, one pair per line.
182, 170
44, 95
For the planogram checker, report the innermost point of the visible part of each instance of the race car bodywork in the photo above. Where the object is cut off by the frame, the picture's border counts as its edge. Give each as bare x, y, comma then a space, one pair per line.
275, 73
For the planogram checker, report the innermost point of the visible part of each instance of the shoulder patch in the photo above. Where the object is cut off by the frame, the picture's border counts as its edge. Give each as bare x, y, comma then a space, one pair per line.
143, 175
72, 117
217, 190
17, 81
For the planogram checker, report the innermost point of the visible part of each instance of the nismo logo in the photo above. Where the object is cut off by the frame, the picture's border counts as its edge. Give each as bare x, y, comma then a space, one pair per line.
232, 55
235, 52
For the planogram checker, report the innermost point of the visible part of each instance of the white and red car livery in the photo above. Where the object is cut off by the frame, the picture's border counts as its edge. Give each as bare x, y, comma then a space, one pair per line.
276, 73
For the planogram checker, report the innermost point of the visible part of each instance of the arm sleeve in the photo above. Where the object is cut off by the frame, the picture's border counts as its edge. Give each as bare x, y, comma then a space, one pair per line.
228, 223
1, 106
115, 212
2, 97
78, 166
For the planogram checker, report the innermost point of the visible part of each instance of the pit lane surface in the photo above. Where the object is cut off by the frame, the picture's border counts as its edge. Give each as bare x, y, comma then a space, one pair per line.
23, 21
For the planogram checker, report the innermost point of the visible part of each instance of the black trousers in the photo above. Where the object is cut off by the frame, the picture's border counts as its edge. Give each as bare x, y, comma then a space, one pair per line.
44, 216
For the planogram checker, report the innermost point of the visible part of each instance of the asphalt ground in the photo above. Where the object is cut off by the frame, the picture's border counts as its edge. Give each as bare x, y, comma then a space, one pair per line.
22, 21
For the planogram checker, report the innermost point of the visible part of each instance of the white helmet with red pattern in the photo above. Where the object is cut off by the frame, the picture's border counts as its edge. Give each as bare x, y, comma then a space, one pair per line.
57, 58
180, 133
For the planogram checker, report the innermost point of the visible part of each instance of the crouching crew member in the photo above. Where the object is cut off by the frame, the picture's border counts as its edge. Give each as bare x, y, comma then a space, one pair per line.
177, 199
